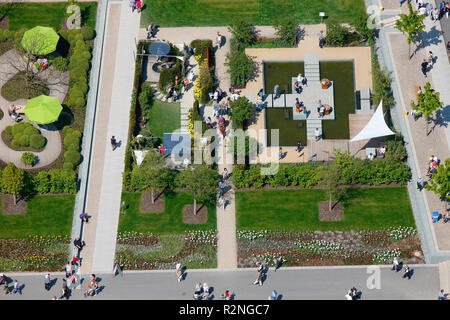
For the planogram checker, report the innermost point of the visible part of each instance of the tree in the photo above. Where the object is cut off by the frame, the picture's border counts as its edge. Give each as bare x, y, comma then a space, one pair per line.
151, 175
201, 182
411, 24
330, 177
440, 181
241, 110
243, 31
287, 31
240, 67
428, 102
337, 35
13, 180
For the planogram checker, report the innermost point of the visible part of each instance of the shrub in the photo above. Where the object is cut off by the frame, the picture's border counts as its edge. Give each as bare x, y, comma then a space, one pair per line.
19, 128
79, 102
37, 141
86, 55
240, 67
243, 31
167, 76
339, 36
60, 63
68, 165
9, 130
200, 48
88, 33
15, 143
62, 180
286, 30
24, 140
29, 131
41, 182
72, 156
78, 73
29, 158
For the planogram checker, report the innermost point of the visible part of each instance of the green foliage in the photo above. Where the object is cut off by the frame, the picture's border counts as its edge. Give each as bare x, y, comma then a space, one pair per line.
411, 24
13, 180
88, 33
204, 83
381, 85
360, 25
72, 156
41, 182
60, 64
29, 158
428, 101
167, 76
201, 182
440, 181
337, 35
240, 67
200, 48
243, 31
145, 98
37, 141
21, 87
242, 110
237, 148
287, 30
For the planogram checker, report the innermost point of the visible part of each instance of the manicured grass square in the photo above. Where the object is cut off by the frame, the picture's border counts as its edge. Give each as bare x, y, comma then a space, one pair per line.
45, 215
168, 222
164, 117
297, 210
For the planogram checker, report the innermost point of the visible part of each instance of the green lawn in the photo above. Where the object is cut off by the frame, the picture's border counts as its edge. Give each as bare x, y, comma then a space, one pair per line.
45, 215
46, 14
167, 222
174, 13
164, 117
297, 210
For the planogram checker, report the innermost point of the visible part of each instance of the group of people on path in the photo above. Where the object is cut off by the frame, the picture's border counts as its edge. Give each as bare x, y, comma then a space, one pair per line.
397, 266
136, 5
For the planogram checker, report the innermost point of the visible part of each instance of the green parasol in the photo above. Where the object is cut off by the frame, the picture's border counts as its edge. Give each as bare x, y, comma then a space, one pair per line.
40, 40
43, 109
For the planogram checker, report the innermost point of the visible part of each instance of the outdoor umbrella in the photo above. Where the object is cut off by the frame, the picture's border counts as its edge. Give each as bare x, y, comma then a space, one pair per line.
43, 109
40, 40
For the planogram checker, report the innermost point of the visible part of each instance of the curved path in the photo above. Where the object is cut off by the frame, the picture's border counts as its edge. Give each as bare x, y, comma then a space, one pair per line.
58, 85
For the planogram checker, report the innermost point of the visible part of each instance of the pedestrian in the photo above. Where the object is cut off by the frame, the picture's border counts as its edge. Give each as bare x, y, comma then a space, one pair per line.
258, 279
222, 185
395, 264
73, 278
205, 291
260, 93
227, 295
68, 269
224, 174
113, 143
84, 217
64, 290
93, 277
407, 273
424, 66
161, 149
78, 243
321, 39
219, 40
299, 146
47, 282
442, 295
259, 104
150, 30
16, 287
420, 184
275, 90
6, 288
274, 295
430, 58
132, 5
277, 264
74, 261
280, 153
139, 6
317, 134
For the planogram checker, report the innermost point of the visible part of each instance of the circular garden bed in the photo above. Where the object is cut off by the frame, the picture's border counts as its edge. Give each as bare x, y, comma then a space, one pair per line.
24, 136
17, 88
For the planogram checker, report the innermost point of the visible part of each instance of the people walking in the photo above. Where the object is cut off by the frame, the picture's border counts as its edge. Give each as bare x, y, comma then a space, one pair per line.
317, 134
424, 66
420, 184
321, 39
260, 271
224, 174
84, 217
179, 272
68, 269
430, 58
47, 281
395, 264
218, 40
276, 90
277, 264
64, 292
407, 273
442, 295
16, 287
113, 143
78, 243
222, 185
132, 4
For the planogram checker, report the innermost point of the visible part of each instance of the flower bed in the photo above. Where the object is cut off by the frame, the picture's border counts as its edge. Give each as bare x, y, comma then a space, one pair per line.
35, 253
328, 247
146, 251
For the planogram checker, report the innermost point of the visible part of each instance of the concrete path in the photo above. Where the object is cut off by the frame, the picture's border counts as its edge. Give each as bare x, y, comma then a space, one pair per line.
105, 182
57, 82
318, 283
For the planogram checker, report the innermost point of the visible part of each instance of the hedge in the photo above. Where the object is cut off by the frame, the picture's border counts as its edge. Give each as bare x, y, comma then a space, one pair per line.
375, 172
29, 158
167, 76
200, 49
55, 181
37, 141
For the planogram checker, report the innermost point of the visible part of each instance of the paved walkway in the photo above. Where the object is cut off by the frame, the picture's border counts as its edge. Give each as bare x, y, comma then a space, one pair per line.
309, 283
58, 85
393, 54
105, 181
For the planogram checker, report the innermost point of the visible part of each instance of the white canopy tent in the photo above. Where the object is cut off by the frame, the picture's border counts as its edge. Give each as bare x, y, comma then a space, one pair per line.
376, 127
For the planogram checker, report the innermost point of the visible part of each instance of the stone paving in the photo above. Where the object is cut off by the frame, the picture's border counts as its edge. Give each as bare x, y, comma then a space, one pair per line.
58, 85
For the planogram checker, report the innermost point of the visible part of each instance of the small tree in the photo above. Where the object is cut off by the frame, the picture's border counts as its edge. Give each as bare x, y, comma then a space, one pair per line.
428, 102
411, 24
241, 110
287, 31
337, 35
243, 31
156, 177
330, 177
13, 180
201, 182
440, 181
240, 67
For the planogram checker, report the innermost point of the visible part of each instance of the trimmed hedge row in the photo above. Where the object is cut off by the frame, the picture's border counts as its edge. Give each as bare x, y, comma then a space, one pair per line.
353, 171
72, 141
79, 64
